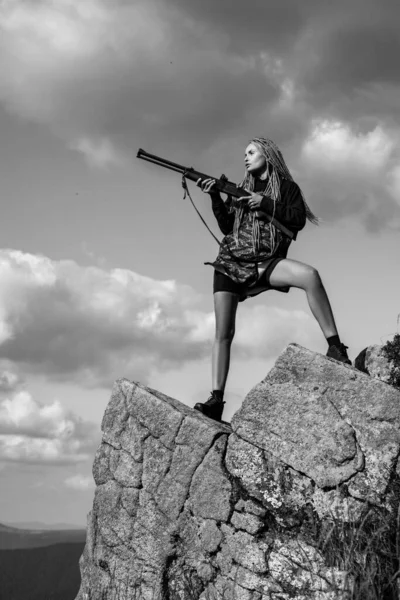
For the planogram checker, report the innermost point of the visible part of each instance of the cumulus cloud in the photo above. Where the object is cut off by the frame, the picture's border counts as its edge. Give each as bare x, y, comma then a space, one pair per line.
347, 46
336, 69
99, 153
264, 331
9, 379
92, 322
333, 145
95, 325
206, 76
32, 432
80, 482
393, 184
352, 172
119, 73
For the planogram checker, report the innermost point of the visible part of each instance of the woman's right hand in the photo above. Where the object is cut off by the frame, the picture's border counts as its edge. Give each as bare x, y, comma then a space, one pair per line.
206, 185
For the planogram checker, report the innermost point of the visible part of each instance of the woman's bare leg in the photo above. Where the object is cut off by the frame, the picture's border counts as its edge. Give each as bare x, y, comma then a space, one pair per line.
225, 306
297, 274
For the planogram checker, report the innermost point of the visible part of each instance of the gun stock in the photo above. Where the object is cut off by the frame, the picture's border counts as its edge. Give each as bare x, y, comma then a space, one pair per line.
222, 184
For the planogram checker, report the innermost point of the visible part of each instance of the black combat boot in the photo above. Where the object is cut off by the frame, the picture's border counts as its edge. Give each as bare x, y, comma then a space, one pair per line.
339, 352
214, 406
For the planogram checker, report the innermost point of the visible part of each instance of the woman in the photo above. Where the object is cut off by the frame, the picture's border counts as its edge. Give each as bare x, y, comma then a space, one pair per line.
252, 256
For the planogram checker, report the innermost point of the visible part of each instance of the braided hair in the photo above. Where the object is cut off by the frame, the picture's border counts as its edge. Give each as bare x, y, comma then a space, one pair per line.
277, 170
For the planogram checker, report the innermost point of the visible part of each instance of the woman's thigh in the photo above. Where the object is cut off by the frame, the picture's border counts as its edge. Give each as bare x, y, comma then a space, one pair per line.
292, 273
225, 306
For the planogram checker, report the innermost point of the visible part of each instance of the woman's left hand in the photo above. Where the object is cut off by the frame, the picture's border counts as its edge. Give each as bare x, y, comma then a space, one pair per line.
254, 201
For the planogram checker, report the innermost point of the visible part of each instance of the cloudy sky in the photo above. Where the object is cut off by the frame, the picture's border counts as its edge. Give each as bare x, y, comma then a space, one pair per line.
101, 259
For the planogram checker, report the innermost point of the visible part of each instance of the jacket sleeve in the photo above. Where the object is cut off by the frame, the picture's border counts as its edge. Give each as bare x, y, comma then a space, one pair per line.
224, 218
290, 211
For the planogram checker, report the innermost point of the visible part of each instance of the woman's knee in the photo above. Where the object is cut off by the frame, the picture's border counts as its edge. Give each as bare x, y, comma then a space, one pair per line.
311, 277
224, 334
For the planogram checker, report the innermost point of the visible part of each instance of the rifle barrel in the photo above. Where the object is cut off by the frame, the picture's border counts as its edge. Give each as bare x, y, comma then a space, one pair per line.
222, 183
161, 162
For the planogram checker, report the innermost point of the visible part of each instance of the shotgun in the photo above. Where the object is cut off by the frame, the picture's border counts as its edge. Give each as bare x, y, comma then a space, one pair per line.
222, 184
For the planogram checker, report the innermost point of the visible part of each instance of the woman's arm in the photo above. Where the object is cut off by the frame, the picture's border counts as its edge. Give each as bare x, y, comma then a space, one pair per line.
224, 218
290, 211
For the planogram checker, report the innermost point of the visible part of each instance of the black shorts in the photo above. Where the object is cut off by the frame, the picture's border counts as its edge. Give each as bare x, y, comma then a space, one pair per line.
223, 283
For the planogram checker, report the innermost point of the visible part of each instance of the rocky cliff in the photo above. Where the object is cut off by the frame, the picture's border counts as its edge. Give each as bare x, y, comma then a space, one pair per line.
297, 498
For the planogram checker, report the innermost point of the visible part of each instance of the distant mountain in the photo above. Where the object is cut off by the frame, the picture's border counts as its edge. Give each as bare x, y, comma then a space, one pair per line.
12, 538
50, 573
45, 526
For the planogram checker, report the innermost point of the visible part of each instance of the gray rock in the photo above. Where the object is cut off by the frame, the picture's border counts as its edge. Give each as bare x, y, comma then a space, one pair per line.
229, 590
105, 461
156, 463
152, 447
250, 506
276, 485
336, 507
187, 457
210, 536
244, 550
362, 417
128, 472
296, 566
130, 500
211, 490
287, 415
373, 361
254, 582
132, 438
246, 522
115, 417
186, 508
156, 413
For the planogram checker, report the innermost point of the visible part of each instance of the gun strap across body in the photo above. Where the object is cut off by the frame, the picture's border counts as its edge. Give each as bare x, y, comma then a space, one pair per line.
187, 193
276, 223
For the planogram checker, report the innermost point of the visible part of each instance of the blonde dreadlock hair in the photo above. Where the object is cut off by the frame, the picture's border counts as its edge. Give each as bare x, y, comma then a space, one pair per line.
277, 170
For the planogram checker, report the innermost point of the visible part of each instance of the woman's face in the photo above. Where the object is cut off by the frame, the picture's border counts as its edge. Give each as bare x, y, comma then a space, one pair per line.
254, 160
